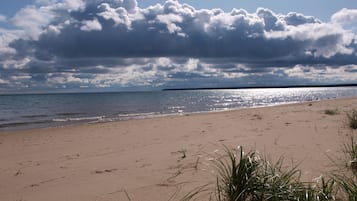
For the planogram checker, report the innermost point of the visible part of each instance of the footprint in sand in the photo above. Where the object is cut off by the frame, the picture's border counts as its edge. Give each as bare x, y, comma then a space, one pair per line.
104, 171
46, 181
256, 117
72, 157
18, 173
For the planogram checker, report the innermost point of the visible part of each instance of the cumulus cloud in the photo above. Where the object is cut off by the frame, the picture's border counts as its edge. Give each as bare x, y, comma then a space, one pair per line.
178, 30
296, 19
106, 43
330, 73
32, 20
91, 25
345, 16
173, 29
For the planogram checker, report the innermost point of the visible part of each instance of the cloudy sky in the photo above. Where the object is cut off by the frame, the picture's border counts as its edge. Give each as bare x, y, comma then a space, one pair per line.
114, 45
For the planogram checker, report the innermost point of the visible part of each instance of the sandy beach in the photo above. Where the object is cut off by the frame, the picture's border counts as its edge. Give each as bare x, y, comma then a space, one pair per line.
163, 158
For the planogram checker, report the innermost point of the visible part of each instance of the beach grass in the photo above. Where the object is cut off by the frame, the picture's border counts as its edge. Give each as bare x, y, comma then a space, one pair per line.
248, 177
237, 176
350, 149
261, 180
352, 119
348, 187
331, 112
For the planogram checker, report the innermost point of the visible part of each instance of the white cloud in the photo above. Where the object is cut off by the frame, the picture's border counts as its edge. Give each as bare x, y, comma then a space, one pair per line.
3, 18
3, 81
325, 40
345, 73
45, 2
117, 15
20, 77
91, 25
170, 21
16, 63
73, 5
345, 16
32, 20
6, 37
297, 19
66, 78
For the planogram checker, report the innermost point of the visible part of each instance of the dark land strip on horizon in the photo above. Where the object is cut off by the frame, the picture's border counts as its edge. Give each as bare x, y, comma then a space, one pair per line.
263, 87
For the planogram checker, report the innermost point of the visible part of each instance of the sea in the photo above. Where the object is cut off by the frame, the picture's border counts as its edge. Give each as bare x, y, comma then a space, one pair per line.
27, 111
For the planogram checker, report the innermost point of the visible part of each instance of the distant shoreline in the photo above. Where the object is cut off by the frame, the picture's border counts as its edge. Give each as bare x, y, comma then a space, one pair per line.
262, 87
181, 89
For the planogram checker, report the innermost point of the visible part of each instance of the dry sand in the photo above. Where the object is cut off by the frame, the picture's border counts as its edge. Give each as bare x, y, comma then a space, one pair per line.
161, 159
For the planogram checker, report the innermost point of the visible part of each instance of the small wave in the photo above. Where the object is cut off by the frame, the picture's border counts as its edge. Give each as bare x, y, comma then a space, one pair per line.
133, 115
19, 124
146, 115
176, 107
78, 119
69, 114
60, 120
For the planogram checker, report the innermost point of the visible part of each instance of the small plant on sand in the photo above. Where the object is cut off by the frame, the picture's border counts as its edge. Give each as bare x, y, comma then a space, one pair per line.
237, 176
348, 187
331, 112
352, 119
276, 183
350, 150
327, 190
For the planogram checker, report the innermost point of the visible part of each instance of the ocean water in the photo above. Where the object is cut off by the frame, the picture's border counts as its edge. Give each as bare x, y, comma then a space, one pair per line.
47, 110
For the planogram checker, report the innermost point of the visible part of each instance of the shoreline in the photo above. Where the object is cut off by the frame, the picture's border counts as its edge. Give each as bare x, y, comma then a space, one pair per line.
103, 119
157, 158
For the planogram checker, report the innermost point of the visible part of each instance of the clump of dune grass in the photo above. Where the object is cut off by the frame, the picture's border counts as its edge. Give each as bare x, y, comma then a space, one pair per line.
331, 112
348, 186
237, 176
276, 183
247, 177
350, 149
326, 190
352, 119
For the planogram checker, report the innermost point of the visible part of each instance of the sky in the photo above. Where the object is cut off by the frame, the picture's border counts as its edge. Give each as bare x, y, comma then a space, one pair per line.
119, 45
